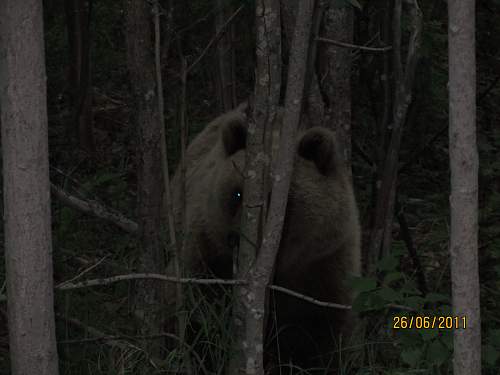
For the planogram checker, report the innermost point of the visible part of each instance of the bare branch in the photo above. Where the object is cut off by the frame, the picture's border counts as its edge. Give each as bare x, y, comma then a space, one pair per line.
137, 276
216, 38
354, 46
310, 299
96, 209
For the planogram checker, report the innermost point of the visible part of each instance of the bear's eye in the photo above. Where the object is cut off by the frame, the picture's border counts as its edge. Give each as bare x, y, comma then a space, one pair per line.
237, 195
235, 201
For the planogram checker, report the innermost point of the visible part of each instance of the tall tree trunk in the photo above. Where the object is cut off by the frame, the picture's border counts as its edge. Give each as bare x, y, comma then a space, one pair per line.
267, 95
254, 295
26, 192
335, 70
149, 293
381, 233
78, 14
464, 186
225, 59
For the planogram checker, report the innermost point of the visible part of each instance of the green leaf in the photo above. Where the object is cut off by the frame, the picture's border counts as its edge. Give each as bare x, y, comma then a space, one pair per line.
363, 284
388, 263
360, 302
437, 353
494, 337
428, 334
388, 294
409, 338
415, 302
490, 354
411, 356
447, 338
393, 276
437, 297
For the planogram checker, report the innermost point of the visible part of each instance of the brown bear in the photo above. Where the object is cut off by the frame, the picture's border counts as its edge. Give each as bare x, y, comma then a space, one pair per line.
320, 244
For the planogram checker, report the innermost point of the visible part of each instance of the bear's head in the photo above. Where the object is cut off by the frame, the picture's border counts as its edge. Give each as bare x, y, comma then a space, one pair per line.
318, 194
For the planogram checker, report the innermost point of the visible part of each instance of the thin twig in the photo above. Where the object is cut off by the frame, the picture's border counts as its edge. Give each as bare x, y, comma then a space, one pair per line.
330, 304
116, 338
87, 270
354, 46
310, 299
216, 38
96, 209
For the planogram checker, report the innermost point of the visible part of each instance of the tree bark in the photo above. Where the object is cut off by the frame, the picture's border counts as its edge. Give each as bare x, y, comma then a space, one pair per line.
335, 70
380, 236
78, 13
254, 295
464, 186
26, 191
225, 59
149, 294
265, 108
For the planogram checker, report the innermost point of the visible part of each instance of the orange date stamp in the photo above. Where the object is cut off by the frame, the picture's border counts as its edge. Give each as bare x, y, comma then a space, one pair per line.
429, 322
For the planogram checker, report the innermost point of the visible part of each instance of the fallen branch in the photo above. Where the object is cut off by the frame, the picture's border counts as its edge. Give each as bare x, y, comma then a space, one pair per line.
96, 209
135, 276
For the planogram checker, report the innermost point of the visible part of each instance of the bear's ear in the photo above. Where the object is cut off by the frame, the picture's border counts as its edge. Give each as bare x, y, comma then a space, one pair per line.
234, 136
318, 145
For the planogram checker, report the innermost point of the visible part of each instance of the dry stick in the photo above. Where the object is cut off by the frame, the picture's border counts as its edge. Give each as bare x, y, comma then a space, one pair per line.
87, 270
405, 234
215, 39
168, 206
137, 276
117, 337
181, 251
354, 46
309, 299
66, 285
96, 209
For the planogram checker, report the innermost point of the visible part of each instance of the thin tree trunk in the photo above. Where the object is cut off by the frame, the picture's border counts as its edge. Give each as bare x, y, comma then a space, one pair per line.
380, 236
335, 65
464, 186
265, 108
26, 191
314, 105
149, 294
78, 13
225, 58
254, 295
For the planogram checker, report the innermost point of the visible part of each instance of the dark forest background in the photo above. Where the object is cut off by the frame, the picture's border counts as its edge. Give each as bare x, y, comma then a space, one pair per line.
96, 161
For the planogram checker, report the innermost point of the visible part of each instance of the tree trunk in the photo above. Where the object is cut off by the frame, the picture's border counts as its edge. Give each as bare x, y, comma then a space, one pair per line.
78, 14
254, 295
225, 59
267, 95
26, 192
464, 186
381, 233
335, 70
149, 294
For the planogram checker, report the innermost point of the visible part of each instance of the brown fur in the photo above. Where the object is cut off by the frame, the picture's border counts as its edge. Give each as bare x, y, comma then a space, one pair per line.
320, 242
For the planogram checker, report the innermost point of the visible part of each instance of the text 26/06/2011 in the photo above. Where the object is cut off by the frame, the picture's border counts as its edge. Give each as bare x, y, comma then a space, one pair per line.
429, 322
